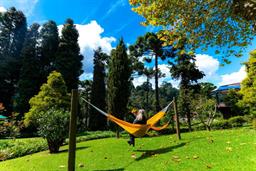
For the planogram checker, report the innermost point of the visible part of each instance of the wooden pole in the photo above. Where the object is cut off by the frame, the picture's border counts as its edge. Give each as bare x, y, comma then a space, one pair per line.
72, 131
176, 118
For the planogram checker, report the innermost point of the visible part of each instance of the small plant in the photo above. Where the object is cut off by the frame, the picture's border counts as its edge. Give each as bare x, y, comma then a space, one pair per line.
53, 126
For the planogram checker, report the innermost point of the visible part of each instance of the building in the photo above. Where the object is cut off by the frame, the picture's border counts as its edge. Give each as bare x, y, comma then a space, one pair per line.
220, 94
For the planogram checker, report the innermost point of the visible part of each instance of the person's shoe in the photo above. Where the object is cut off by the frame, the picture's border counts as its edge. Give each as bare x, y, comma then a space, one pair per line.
129, 142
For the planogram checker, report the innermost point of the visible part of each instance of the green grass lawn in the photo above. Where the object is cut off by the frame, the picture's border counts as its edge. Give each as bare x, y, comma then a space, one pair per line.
216, 150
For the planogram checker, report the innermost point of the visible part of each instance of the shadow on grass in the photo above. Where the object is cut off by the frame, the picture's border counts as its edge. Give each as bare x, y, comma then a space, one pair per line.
78, 148
149, 153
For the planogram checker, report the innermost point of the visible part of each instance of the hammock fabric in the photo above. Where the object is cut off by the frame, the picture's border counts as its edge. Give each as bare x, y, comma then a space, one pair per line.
138, 130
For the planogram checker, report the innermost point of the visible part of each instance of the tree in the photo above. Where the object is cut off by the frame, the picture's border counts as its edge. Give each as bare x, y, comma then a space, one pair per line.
49, 41
13, 27
68, 57
149, 73
30, 80
205, 110
53, 126
167, 93
226, 25
53, 94
85, 88
231, 100
184, 69
119, 81
151, 47
248, 86
98, 96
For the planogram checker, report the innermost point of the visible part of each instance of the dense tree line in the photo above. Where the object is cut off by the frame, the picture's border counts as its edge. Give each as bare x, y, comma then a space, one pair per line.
29, 55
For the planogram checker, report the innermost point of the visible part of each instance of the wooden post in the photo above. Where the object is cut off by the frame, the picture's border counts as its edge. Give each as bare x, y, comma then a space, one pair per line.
72, 131
176, 118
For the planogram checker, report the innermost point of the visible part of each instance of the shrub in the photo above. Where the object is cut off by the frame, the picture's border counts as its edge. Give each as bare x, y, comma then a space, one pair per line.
237, 121
51, 94
53, 126
254, 123
221, 124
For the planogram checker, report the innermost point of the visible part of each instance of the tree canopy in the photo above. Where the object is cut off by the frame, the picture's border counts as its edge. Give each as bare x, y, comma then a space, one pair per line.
223, 24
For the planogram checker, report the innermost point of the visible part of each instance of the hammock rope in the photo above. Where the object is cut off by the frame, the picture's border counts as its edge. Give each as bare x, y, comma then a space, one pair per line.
138, 130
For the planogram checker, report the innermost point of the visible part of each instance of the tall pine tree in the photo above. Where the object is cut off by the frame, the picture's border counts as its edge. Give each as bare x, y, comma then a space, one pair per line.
98, 95
119, 80
13, 27
68, 57
30, 80
184, 69
49, 42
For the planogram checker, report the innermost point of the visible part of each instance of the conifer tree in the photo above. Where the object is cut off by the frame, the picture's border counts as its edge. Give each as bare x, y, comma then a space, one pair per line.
49, 41
98, 95
68, 57
119, 80
30, 80
184, 69
13, 27
52, 94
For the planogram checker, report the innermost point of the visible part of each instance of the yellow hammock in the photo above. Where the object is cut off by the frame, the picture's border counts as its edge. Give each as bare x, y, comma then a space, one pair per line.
138, 130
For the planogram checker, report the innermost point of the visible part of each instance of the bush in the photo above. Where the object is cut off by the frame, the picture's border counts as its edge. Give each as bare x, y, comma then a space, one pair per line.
237, 121
254, 123
221, 124
53, 126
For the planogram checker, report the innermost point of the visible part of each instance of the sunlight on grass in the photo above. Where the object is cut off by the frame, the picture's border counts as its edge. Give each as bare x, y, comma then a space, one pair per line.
216, 150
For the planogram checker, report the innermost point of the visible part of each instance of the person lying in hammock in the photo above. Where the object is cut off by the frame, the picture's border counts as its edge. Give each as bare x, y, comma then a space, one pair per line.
140, 118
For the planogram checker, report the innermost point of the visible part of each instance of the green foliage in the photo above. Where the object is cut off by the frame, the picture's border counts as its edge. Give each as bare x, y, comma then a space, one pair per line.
49, 41
13, 148
53, 126
68, 57
254, 123
226, 25
19, 147
98, 94
52, 94
85, 89
184, 68
30, 79
248, 86
237, 121
13, 29
119, 81
205, 110
231, 100
152, 47
221, 124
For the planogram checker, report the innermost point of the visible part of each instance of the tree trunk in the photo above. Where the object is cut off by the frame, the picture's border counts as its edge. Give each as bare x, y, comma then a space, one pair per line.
189, 121
54, 146
157, 105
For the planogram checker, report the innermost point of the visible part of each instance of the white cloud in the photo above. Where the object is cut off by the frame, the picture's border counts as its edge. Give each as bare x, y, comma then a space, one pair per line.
26, 6
90, 39
208, 65
234, 77
165, 70
2, 9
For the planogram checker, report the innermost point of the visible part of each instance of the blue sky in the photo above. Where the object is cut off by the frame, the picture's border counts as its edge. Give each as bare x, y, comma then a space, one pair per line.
102, 23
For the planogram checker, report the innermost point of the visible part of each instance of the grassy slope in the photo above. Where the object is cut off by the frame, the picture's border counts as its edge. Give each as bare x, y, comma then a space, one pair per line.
216, 150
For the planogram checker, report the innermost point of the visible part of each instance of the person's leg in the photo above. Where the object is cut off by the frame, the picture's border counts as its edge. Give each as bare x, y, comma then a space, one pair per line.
132, 140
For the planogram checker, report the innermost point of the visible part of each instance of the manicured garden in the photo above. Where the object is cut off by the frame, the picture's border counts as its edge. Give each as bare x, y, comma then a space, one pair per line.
202, 150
